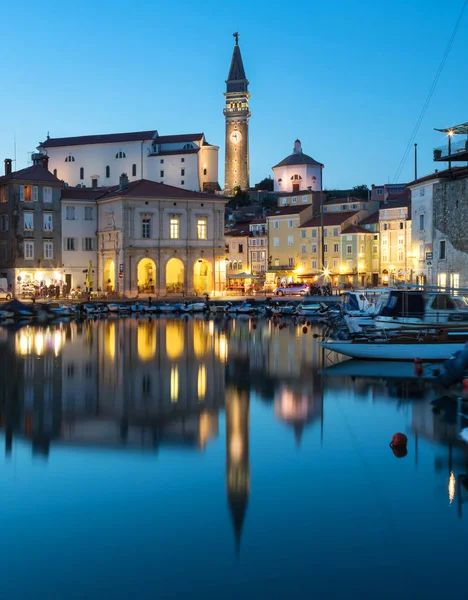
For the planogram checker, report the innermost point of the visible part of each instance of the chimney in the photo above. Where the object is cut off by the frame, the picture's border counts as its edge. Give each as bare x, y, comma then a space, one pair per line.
45, 161
123, 181
8, 166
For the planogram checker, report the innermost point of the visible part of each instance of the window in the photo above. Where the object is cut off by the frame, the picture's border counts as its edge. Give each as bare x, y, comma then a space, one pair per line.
88, 244
422, 191
400, 241
146, 227
284, 201
25, 193
239, 265
204, 171
303, 233
174, 226
290, 224
442, 250
421, 222
4, 223
325, 264
70, 213
335, 263
291, 261
375, 249
349, 249
349, 264
161, 173
335, 248
48, 250
276, 241
48, 221
314, 233
385, 226
384, 257
94, 183
314, 249
336, 232
182, 182
402, 225
161, 161
314, 264
88, 213
182, 172
276, 224
107, 171
201, 229
304, 199
35, 193
47, 194
70, 244
188, 147
384, 242
241, 248
354, 206
400, 256
70, 158
361, 248
81, 173
29, 250
294, 200
182, 159
290, 240
325, 247
303, 249
344, 207
379, 192
133, 170
325, 232
120, 155
3, 195
55, 172
442, 279
28, 221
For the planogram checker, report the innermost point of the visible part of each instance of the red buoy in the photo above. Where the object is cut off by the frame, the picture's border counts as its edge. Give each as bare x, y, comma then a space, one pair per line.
400, 452
308, 323
418, 369
465, 383
254, 325
304, 330
399, 440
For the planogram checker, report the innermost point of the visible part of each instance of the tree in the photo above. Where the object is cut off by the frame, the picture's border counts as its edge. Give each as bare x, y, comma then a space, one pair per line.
265, 184
239, 198
361, 188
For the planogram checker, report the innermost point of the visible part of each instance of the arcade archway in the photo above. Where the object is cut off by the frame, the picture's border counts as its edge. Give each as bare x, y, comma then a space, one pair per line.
146, 276
175, 276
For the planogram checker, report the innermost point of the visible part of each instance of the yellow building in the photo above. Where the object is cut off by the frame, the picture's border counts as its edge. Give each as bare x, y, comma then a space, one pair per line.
395, 241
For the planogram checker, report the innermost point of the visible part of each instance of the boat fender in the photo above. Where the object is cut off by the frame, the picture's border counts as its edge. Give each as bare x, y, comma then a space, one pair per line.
453, 369
315, 336
308, 323
304, 329
254, 325
399, 440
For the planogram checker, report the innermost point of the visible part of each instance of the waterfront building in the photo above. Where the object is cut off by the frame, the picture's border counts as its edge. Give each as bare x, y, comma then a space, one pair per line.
237, 114
372, 251
359, 256
298, 172
158, 239
79, 234
247, 248
388, 191
395, 241
258, 246
30, 227
187, 161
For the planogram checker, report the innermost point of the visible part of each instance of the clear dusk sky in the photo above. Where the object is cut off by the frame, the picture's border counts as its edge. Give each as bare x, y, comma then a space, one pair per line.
348, 78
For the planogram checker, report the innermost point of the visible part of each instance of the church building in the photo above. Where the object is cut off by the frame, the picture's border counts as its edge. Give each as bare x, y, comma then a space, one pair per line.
237, 115
298, 172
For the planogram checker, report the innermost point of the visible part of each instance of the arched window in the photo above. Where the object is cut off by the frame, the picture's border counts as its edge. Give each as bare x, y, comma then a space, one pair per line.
204, 171
81, 173
133, 170
234, 265
108, 171
188, 147
120, 154
70, 158
230, 265
55, 172
239, 265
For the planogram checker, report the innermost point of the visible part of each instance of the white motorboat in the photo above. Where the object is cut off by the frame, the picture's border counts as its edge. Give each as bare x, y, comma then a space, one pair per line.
284, 309
57, 309
379, 370
170, 308
192, 307
243, 308
427, 344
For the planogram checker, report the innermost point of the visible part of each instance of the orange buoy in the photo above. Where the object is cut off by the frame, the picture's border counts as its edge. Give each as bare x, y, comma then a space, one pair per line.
304, 330
400, 452
399, 440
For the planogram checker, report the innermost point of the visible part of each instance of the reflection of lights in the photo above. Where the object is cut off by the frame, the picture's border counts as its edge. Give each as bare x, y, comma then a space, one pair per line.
39, 343
451, 487
174, 383
24, 344
236, 447
290, 407
174, 339
57, 342
201, 382
211, 327
221, 348
199, 340
146, 340
109, 341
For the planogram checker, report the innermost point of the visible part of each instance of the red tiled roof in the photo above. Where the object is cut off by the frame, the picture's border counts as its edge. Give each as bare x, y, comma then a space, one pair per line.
171, 152
299, 193
396, 203
288, 210
143, 188
371, 219
33, 173
237, 232
74, 193
355, 229
110, 138
349, 199
329, 219
297, 159
454, 171
258, 220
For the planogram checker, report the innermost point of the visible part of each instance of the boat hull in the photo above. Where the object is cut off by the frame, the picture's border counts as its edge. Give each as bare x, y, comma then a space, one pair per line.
395, 351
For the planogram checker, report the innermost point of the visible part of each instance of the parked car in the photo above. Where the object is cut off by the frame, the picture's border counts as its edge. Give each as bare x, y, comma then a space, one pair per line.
293, 289
4, 295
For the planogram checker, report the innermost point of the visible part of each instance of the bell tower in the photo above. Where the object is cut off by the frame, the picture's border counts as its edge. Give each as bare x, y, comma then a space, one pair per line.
237, 113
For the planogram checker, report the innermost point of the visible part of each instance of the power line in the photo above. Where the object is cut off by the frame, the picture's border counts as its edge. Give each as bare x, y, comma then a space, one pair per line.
430, 94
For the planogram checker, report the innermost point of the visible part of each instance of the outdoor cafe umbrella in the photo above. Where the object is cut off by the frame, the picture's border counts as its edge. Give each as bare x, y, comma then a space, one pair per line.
89, 276
243, 276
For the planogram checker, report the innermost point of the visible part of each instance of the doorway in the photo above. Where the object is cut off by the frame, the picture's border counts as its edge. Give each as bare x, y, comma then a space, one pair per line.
68, 282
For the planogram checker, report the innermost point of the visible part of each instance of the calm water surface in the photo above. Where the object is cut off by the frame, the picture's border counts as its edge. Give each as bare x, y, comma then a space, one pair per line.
173, 458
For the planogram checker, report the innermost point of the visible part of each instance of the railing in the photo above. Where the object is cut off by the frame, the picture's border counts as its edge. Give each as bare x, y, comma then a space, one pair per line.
281, 268
456, 147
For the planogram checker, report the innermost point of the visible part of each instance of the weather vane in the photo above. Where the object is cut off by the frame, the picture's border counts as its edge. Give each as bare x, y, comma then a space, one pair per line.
236, 35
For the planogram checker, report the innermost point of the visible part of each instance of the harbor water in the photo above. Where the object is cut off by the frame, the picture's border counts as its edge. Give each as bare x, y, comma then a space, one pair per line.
222, 458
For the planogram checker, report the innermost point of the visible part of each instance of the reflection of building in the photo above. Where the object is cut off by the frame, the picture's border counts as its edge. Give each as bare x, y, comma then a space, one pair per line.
299, 407
159, 239
30, 227
237, 456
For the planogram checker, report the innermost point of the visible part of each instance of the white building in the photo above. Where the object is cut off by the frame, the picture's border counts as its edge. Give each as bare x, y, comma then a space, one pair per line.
158, 239
187, 161
298, 172
79, 235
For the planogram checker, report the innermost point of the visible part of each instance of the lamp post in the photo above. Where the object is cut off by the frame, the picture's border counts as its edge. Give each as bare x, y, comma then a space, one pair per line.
450, 134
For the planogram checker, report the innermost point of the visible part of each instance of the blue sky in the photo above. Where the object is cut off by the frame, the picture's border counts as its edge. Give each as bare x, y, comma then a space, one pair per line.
348, 78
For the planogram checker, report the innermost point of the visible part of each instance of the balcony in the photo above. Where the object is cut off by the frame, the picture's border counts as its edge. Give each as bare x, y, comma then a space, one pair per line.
456, 149
281, 268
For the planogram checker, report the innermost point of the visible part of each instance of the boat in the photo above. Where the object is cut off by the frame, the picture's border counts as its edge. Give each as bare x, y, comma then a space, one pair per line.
428, 344
56, 309
378, 370
170, 308
315, 310
246, 308
284, 309
191, 307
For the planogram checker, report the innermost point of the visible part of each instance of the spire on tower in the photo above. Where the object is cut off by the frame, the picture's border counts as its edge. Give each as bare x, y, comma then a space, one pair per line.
236, 81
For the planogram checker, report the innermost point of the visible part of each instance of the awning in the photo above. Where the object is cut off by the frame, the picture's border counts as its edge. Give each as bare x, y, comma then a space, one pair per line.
242, 276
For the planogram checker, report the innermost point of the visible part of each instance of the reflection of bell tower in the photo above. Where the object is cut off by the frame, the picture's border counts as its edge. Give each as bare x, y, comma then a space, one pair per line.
237, 457
237, 115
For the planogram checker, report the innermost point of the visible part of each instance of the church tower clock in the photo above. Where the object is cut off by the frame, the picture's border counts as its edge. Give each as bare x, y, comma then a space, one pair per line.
237, 113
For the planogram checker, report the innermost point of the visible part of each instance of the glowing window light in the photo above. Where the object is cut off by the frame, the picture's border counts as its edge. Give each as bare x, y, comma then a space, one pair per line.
451, 487
146, 341
174, 339
39, 343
